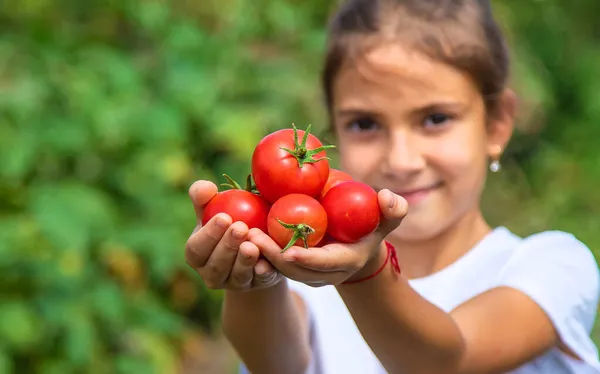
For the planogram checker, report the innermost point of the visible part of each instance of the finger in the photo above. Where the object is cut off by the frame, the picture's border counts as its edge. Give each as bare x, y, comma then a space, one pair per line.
271, 251
254, 232
331, 258
220, 263
266, 245
243, 267
264, 273
314, 277
263, 267
201, 192
393, 208
202, 243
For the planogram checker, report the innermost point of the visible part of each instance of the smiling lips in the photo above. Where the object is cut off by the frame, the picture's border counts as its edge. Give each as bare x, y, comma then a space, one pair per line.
416, 195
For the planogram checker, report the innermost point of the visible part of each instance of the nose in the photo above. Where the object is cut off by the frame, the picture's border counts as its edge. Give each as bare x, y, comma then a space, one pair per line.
405, 157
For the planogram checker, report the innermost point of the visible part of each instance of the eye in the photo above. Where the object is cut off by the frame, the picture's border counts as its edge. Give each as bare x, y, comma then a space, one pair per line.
436, 120
362, 125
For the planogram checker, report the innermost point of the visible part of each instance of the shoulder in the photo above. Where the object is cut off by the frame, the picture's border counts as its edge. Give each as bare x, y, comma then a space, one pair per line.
558, 252
555, 255
556, 238
559, 272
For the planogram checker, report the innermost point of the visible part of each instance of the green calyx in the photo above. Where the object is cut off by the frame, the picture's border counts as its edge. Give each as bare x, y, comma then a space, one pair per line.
301, 231
303, 155
250, 187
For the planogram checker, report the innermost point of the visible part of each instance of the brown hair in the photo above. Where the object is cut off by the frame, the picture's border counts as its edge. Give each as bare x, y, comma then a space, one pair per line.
462, 33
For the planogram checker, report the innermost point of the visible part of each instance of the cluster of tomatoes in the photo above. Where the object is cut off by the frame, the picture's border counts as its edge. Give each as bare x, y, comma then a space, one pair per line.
297, 198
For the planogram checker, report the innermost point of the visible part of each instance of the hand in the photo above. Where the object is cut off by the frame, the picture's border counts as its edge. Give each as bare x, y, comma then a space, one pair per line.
219, 251
336, 263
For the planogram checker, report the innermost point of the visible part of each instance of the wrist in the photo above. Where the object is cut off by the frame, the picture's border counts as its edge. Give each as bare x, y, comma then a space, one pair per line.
372, 264
258, 293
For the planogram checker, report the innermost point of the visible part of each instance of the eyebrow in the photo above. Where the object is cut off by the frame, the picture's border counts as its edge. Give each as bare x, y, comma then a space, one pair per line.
356, 112
453, 106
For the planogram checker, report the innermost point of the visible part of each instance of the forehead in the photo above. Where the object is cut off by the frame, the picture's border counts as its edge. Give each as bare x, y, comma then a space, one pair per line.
393, 75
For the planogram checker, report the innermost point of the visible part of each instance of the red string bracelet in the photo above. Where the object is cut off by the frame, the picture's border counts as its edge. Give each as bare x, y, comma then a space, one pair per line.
391, 256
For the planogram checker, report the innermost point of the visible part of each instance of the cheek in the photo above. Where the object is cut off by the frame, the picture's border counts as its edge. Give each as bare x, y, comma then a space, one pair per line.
462, 163
359, 160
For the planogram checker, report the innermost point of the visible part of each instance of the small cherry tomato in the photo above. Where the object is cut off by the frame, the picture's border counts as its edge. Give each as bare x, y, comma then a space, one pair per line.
352, 211
241, 205
335, 177
297, 219
283, 165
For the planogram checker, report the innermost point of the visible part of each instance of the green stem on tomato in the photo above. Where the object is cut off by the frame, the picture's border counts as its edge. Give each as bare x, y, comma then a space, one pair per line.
303, 155
250, 186
232, 184
301, 231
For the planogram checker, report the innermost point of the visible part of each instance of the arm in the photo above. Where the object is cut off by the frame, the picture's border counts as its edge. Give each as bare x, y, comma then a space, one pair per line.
266, 324
410, 335
545, 297
269, 329
493, 333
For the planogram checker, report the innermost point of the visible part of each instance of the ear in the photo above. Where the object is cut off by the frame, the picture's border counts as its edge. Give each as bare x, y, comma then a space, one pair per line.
501, 124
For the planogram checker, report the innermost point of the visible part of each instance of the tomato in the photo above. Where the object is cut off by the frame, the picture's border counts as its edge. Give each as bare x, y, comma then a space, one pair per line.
297, 219
352, 211
240, 205
335, 177
283, 165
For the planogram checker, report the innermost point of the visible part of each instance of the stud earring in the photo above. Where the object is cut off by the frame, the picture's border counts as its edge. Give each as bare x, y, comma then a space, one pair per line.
495, 165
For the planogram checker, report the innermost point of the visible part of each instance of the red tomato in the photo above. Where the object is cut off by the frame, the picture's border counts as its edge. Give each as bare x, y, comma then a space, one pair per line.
283, 165
335, 177
352, 211
297, 219
240, 205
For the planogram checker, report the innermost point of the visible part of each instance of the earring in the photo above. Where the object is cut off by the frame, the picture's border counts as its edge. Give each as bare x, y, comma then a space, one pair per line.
495, 165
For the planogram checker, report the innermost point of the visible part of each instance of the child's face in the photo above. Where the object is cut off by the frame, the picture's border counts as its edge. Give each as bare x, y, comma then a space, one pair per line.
417, 127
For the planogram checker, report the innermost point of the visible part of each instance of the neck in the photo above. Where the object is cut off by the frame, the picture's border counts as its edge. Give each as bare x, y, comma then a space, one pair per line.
423, 258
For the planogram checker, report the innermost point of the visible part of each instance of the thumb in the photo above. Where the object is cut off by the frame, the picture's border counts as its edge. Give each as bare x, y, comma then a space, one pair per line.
201, 192
393, 208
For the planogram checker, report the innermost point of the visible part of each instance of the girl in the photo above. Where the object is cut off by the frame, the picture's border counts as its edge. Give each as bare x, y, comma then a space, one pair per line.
417, 97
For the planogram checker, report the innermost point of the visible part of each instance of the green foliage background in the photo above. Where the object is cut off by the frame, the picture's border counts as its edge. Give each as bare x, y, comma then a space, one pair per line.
111, 109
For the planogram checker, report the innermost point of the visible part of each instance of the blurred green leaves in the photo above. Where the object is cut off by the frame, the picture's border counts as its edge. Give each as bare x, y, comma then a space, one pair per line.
19, 326
72, 216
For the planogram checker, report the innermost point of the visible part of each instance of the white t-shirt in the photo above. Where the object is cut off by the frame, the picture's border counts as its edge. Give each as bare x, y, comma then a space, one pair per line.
553, 268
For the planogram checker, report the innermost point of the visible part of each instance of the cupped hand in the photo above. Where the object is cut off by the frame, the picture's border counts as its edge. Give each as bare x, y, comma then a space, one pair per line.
221, 252
336, 263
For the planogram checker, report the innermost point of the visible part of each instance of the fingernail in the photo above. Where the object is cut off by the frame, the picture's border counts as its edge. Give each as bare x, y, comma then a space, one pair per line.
266, 274
192, 191
237, 234
222, 222
391, 199
243, 252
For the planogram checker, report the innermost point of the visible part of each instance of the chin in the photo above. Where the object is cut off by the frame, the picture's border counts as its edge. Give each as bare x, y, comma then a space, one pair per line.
417, 229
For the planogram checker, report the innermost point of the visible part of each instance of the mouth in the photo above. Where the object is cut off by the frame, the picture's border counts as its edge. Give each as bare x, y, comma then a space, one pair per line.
415, 195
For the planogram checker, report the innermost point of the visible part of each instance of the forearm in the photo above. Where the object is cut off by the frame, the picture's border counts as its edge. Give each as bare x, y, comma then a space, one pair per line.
406, 332
267, 329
